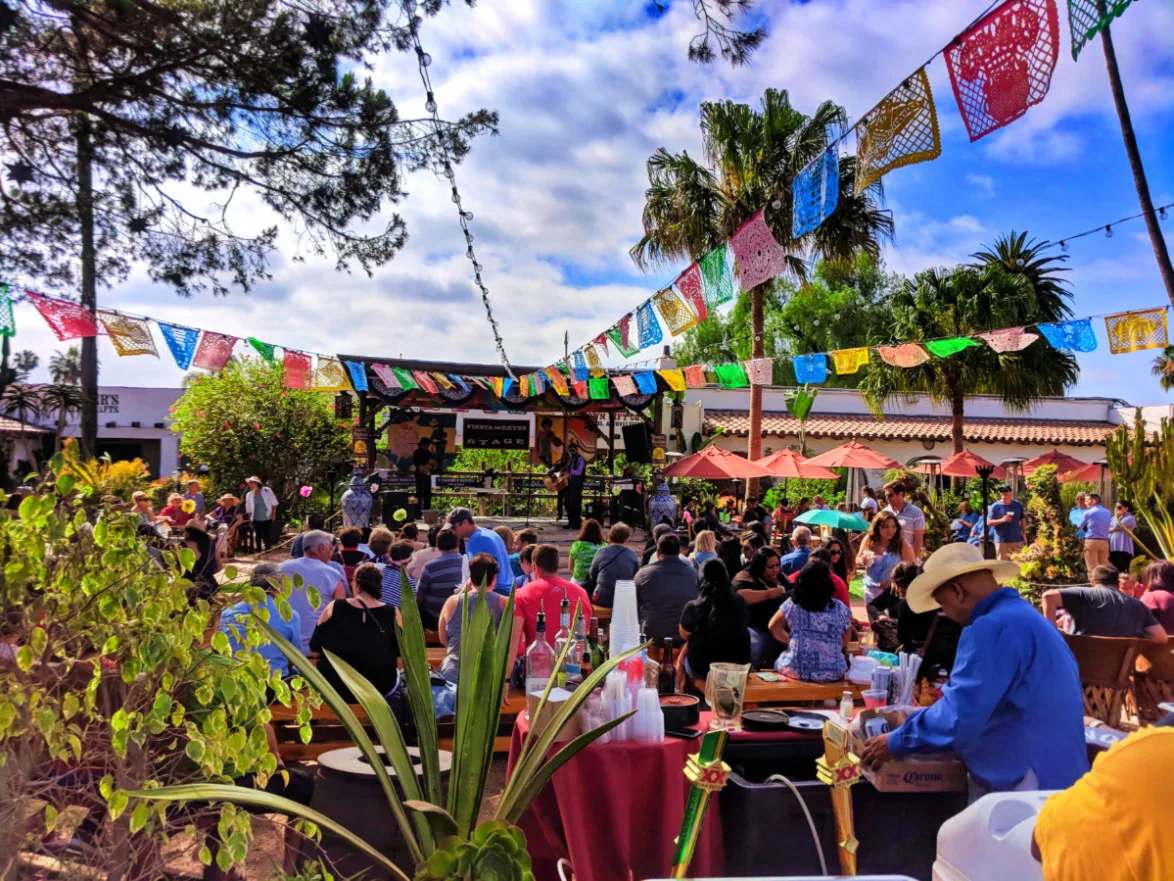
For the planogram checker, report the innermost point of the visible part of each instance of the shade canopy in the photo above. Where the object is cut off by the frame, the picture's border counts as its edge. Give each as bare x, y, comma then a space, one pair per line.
1090, 473
964, 464
714, 463
854, 455
788, 463
1062, 461
834, 519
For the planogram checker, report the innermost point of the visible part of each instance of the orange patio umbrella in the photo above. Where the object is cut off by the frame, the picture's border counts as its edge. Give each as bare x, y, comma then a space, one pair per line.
1090, 473
1062, 461
714, 463
964, 464
854, 455
788, 463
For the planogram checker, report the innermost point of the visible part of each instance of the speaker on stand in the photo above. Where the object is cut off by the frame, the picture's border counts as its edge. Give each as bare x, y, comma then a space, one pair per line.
637, 442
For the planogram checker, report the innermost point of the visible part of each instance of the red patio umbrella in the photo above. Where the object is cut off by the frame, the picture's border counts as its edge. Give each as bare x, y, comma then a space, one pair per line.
1090, 473
788, 463
1062, 461
964, 464
854, 455
714, 463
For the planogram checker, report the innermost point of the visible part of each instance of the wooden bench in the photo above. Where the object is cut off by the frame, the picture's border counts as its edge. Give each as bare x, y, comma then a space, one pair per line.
789, 691
328, 732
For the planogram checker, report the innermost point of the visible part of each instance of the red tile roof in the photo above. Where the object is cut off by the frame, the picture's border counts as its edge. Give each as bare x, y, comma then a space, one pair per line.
937, 428
9, 425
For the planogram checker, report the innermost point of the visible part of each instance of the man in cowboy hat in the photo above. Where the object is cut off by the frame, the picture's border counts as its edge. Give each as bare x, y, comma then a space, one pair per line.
1013, 709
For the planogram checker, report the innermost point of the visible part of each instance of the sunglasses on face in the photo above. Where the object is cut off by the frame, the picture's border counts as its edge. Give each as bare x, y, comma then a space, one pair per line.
836, 553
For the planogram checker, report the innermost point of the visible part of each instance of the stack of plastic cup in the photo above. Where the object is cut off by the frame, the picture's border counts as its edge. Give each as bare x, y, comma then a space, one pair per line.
617, 701
624, 632
649, 717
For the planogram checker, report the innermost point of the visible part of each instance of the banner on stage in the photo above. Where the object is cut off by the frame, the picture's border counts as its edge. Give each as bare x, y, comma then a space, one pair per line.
495, 434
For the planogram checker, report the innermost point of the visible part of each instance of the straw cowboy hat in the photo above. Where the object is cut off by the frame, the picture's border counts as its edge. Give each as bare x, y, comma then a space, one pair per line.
229, 499
949, 562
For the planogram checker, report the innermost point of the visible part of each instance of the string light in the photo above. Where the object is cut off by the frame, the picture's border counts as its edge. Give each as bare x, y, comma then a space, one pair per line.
423, 62
1162, 213
1108, 231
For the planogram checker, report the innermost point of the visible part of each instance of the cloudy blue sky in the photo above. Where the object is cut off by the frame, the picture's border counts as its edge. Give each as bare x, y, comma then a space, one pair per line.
588, 89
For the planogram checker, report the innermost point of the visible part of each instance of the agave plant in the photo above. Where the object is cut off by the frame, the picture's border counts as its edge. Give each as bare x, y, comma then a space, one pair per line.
440, 833
1143, 466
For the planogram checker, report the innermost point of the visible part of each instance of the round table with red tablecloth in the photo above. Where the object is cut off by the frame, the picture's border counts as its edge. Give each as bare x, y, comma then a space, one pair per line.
615, 810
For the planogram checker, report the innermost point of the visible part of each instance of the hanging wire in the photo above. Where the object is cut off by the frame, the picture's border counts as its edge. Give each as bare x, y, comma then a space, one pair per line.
424, 61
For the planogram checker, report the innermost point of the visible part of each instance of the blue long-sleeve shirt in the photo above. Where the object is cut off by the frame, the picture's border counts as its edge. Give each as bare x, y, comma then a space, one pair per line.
1014, 702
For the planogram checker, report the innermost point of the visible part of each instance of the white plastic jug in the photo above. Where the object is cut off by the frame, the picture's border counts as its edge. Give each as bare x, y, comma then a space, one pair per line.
991, 840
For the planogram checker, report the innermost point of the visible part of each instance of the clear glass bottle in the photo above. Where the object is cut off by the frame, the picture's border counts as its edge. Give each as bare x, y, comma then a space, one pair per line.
847, 706
539, 660
581, 650
563, 637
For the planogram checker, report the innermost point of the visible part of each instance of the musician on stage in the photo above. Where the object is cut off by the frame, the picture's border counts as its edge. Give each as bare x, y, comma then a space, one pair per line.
555, 475
577, 471
424, 462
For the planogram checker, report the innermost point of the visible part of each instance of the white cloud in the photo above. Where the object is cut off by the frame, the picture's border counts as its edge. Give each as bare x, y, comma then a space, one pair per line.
984, 182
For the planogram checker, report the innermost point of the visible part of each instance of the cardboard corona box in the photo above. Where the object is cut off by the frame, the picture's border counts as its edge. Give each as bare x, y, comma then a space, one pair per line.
930, 772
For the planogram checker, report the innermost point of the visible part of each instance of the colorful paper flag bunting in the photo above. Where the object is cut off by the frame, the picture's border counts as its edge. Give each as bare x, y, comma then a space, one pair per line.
386, 376
598, 388
849, 361
405, 377
7, 317
815, 193
625, 385
358, 375
181, 341
695, 376
731, 375
952, 346
213, 351
675, 379
1003, 65
1086, 19
905, 355
902, 130
579, 366
760, 371
425, 382
68, 321
1011, 339
1075, 336
759, 257
580, 389
1134, 331
441, 380
298, 367
620, 335
507, 385
647, 326
716, 277
558, 379
676, 316
265, 350
129, 336
459, 382
693, 291
601, 341
810, 368
646, 382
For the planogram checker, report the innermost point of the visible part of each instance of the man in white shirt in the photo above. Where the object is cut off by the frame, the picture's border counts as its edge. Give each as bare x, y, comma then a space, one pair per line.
261, 506
910, 517
313, 566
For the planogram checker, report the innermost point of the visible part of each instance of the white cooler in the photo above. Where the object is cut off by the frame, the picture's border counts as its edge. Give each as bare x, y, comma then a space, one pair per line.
991, 840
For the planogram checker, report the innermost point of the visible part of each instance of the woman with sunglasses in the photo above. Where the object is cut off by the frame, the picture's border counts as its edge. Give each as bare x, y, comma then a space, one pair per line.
880, 552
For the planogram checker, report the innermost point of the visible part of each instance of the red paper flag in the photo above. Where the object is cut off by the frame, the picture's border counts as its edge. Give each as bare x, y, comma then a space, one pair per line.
690, 285
1003, 65
298, 368
426, 382
601, 341
67, 320
581, 389
695, 376
214, 351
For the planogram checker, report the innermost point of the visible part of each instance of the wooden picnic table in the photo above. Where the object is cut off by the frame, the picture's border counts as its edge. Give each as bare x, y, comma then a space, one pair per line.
790, 691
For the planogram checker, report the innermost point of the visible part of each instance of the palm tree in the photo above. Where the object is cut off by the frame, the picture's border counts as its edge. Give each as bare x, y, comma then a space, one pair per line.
1025, 258
66, 368
962, 302
61, 399
1163, 368
24, 402
752, 156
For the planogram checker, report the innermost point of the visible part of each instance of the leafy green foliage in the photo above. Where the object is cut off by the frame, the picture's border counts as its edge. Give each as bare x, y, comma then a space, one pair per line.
243, 421
1143, 466
114, 681
1054, 555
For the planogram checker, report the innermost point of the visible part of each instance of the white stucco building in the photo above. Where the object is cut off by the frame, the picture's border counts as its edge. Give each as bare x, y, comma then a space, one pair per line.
136, 423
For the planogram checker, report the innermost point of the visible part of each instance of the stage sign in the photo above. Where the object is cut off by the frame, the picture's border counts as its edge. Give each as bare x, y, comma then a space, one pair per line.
466, 480
496, 434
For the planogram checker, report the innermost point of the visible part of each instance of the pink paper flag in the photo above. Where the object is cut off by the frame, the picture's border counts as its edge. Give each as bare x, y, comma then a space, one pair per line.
760, 371
695, 376
907, 355
298, 368
624, 384
758, 255
1013, 339
68, 321
690, 285
386, 376
214, 351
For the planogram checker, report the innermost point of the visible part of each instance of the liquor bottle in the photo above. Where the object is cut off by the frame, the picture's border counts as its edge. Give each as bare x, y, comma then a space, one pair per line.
581, 650
539, 660
598, 646
846, 707
563, 637
667, 682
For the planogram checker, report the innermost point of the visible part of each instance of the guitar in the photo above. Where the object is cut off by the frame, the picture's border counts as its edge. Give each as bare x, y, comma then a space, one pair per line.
556, 481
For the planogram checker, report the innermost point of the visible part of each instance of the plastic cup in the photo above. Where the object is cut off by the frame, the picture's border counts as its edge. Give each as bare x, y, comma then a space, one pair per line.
875, 697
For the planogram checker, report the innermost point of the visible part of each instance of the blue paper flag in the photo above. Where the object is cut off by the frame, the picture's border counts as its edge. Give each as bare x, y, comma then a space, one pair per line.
815, 193
457, 381
810, 368
358, 375
646, 382
182, 342
578, 366
1074, 336
648, 326
506, 385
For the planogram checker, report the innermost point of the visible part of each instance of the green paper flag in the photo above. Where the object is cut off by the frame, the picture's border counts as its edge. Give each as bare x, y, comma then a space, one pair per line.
616, 334
265, 350
7, 319
1087, 18
717, 281
946, 348
731, 375
406, 380
598, 388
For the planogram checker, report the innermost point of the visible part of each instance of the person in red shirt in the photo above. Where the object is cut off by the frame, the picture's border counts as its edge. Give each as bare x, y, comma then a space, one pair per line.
545, 592
1159, 592
174, 511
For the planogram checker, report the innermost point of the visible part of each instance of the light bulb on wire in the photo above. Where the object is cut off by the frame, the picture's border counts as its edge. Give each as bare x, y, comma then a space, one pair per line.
1162, 212
1108, 231
1064, 246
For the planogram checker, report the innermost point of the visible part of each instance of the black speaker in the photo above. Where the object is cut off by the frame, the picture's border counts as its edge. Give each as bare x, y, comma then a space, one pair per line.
393, 500
637, 443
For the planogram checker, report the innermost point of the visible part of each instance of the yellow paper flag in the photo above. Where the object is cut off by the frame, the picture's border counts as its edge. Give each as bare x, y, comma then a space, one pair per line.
850, 360
674, 378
